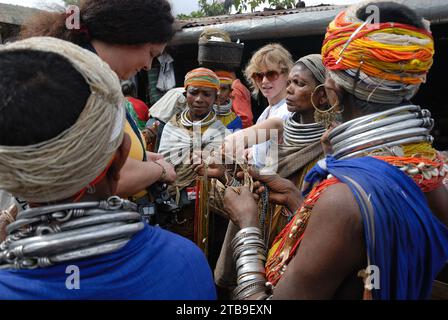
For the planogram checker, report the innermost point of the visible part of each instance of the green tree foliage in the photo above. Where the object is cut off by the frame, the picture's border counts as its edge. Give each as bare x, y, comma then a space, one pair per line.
207, 9
246, 5
222, 7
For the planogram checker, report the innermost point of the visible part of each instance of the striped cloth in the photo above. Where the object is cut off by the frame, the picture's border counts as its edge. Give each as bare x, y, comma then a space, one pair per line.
202, 77
225, 77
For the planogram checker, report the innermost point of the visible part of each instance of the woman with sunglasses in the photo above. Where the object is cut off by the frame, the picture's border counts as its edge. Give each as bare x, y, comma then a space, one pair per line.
299, 152
302, 131
267, 72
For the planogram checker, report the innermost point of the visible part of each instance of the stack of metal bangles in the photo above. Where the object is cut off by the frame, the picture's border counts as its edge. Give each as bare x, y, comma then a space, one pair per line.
249, 253
390, 128
45, 236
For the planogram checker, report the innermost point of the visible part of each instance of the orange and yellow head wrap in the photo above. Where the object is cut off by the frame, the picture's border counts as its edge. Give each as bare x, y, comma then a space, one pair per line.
202, 77
225, 77
377, 62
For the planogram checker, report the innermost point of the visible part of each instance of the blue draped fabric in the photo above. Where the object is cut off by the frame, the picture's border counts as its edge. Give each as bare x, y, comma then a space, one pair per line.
403, 237
154, 265
231, 121
235, 125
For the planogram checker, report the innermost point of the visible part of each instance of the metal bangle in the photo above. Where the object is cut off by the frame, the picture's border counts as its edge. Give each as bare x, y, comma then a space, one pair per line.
164, 173
306, 136
113, 203
44, 245
253, 283
395, 127
372, 125
89, 252
239, 241
390, 145
247, 243
44, 236
247, 291
251, 267
368, 118
253, 252
238, 251
36, 212
100, 219
382, 139
242, 261
249, 277
249, 230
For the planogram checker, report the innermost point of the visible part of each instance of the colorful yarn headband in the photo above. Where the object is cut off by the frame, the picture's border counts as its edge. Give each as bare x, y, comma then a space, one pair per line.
390, 58
202, 77
225, 77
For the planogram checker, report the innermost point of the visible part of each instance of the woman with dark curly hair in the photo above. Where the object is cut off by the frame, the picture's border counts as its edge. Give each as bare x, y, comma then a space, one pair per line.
128, 35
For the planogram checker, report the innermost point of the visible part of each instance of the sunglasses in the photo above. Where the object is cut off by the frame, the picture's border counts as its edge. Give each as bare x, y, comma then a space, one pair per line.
271, 75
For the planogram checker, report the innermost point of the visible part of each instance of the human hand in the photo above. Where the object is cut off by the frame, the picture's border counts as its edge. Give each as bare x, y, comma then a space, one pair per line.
214, 170
150, 133
153, 156
281, 191
325, 140
240, 205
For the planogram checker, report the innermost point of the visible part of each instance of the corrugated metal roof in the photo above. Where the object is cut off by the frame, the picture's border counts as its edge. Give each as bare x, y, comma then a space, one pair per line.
290, 23
208, 21
262, 25
15, 15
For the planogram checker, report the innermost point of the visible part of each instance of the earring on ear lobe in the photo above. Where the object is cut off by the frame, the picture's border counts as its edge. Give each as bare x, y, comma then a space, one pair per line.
325, 117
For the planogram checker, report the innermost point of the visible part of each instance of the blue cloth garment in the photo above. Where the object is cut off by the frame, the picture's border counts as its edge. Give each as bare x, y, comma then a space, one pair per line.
235, 125
403, 237
155, 264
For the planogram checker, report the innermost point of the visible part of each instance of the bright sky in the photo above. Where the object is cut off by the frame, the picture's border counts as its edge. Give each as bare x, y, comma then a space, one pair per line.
180, 6
32, 3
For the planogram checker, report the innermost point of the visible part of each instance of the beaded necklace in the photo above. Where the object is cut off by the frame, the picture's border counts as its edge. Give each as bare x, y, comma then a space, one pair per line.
208, 119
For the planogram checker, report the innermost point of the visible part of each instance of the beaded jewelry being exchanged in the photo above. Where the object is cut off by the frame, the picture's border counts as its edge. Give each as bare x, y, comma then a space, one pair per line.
44, 236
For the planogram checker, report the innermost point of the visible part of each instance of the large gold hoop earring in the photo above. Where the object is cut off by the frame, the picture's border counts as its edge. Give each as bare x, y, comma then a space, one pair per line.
325, 117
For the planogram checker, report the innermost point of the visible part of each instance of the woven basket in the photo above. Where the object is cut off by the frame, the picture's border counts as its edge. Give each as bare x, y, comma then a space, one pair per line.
225, 55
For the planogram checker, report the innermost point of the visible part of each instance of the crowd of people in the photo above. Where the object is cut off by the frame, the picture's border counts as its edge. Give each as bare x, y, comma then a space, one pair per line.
334, 193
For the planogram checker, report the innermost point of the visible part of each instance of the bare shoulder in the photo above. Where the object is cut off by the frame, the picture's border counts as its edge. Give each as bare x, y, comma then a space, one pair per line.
338, 202
438, 202
332, 249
